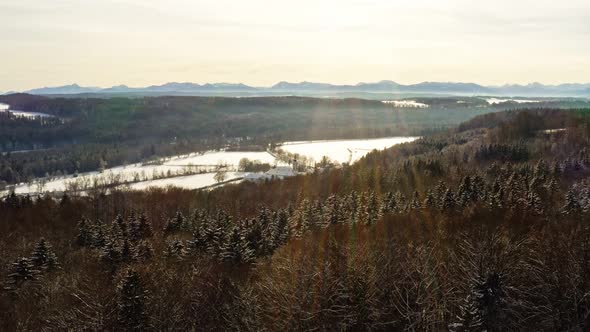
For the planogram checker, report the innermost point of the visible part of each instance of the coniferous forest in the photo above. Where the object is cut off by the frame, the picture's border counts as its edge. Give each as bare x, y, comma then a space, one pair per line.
483, 227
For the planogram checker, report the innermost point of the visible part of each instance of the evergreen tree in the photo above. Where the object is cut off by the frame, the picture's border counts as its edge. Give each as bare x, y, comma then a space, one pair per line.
119, 228
373, 209
143, 251
99, 237
174, 249
111, 255
214, 235
144, 227
126, 251
22, 270
533, 203
131, 303
572, 206
84, 237
483, 307
235, 249
175, 223
280, 230
430, 200
43, 257
448, 202
198, 243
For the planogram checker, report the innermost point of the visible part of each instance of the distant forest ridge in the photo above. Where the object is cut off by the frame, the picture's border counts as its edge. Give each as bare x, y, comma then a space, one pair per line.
313, 88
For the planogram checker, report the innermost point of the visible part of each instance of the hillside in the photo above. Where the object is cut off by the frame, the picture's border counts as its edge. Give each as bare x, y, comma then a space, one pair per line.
483, 227
86, 132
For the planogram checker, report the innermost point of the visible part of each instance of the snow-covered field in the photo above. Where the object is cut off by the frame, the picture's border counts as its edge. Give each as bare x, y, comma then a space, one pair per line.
185, 182
221, 157
493, 101
342, 151
405, 103
6, 108
181, 171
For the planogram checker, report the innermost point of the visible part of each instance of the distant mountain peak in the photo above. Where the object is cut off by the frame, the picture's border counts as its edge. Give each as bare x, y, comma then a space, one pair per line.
311, 88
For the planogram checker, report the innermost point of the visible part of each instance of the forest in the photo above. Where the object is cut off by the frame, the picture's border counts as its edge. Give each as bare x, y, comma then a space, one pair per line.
88, 132
481, 227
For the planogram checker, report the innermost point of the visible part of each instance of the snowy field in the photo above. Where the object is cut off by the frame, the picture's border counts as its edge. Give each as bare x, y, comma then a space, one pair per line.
493, 101
221, 158
186, 182
405, 103
6, 108
342, 151
180, 171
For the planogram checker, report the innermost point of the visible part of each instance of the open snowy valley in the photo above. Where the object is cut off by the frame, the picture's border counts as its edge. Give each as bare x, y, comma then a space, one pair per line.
199, 170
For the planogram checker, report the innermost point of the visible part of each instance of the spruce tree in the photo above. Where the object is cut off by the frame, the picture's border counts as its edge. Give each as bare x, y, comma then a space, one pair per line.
174, 249
571, 206
131, 303
143, 251
235, 249
43, 257
483, 308
430, 200
111, 255
22, 270
126, 251
174, 224
84, 237
119, 228
373, 209
99, 236
448, 202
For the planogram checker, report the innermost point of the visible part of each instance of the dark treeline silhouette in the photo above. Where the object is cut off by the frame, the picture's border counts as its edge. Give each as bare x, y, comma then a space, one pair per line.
484, 227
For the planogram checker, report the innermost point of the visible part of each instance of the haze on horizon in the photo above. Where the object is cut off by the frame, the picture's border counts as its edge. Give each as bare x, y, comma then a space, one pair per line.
257, 42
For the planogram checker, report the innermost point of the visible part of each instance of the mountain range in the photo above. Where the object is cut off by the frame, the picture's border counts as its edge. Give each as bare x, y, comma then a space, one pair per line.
312, 88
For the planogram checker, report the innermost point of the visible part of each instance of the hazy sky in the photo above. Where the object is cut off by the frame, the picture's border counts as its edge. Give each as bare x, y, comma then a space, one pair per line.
260, 42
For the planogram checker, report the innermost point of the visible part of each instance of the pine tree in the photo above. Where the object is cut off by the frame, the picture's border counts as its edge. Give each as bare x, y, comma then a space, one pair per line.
373, 209
541, 170
119, 229
111, 255
143, 251
331, 211
448, 202
430, 200
254, 238
572, 206
280, 231
22, 270
99, 237
174, 224
465, 194
483, 307
84, 237
131, 303
43, 257
144, 227
533, 203
174, 249
197, 244
235, 249
214, 235
126, 251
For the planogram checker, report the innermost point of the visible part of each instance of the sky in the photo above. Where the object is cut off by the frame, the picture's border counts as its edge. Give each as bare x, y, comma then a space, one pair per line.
260, 42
